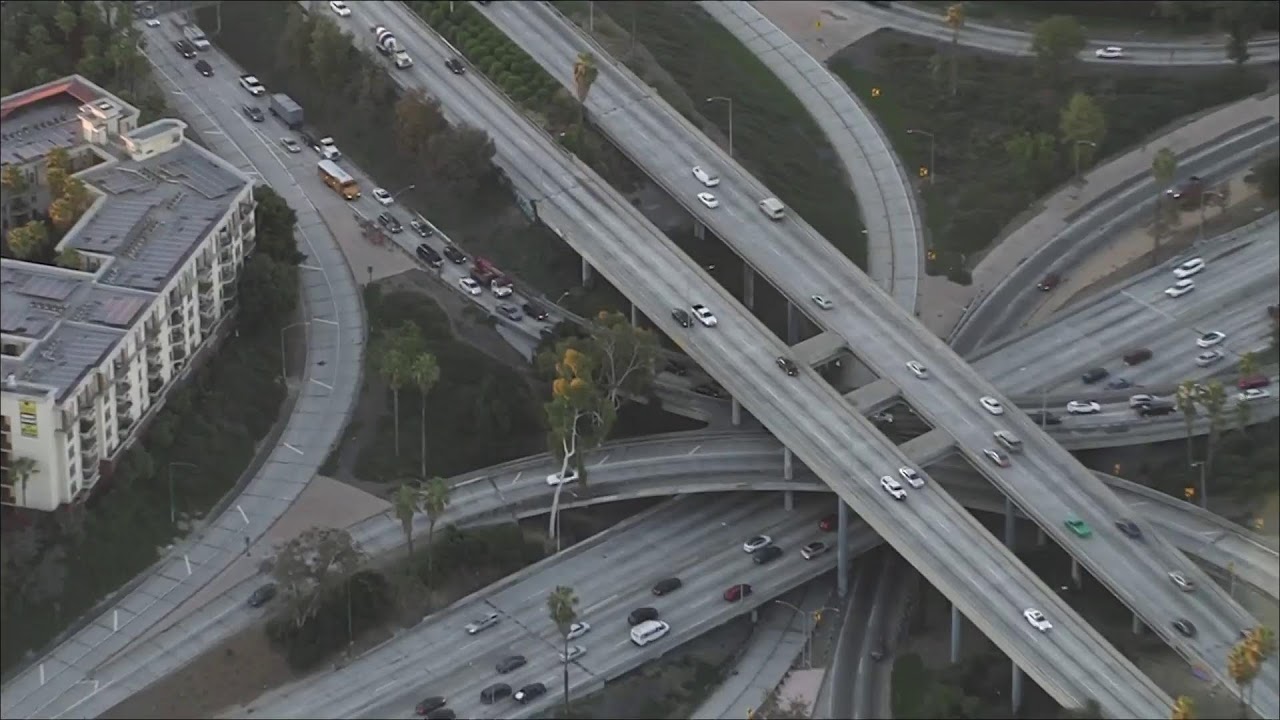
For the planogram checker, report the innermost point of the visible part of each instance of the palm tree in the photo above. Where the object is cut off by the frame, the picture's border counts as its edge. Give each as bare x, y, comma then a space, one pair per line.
434, 499
1247, 367
405, 505
1243, 668
1163, 167
22, 469
955, 20
1214, 401
1183, 709
562, 605
423, 371
584, 76
393, 365
1186, 402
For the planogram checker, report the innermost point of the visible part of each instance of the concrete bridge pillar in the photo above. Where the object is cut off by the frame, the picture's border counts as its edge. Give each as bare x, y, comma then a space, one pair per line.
793, 324
699, 230
635, 315
842, 548
586, 273
956, 620
1010, 525
1136, 624
787, 496
735, 412
748, 286
1015, 692
1075, 573
1041, 538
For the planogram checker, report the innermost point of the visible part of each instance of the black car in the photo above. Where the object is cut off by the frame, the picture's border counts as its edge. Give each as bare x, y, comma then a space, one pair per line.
184, 48
204, 68
442, 714
455, 66
534, 311
262, 595
766, 555
390, 222
253, 113
309, 141
1129, 527
669, 585
1185, 627
456, 256
681, 317
1156, 408
1044, 418
510, 312
530, 692
510, 664
1093, 375
711, 391
429, 704
643, 614
429, 256
788, 367
421, 228
494, 693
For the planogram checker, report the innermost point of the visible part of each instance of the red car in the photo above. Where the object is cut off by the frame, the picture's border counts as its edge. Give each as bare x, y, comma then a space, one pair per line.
1254, 381
828, 523
737, 592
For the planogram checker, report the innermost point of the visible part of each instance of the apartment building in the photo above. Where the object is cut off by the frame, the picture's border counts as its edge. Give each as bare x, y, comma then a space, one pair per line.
89, 354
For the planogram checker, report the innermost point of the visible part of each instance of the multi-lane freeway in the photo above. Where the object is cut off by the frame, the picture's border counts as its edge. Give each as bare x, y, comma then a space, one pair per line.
1045, 481
917, 21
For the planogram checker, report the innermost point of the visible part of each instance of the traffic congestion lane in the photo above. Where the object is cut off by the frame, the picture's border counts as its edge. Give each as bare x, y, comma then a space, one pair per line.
824, 440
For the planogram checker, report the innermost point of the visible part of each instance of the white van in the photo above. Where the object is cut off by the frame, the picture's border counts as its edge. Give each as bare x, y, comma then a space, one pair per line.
1008, 440
648, 631
773, 207
197, 38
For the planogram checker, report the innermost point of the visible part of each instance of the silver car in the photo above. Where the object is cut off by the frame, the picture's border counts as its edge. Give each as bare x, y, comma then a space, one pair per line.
483, 623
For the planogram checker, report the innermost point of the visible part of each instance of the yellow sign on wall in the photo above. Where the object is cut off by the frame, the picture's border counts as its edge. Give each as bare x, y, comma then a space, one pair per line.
27, 418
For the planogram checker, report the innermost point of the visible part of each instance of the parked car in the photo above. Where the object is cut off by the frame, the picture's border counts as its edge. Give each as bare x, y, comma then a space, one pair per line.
262, 595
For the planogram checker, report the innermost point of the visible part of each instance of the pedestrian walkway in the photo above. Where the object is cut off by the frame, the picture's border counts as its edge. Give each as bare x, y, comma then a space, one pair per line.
1058, 211
776, 642
895, 236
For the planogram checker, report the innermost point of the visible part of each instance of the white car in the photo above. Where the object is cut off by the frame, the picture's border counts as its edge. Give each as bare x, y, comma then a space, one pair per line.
918, 370
291, 145
1205, 359
1188, 268
704, 315
1253, 394
709, 200
382, 196
1210, 339
648, 631
575, 652
756, 543
339, 8
469, 286
1182, 582
329, 149
911, 476
893, 487
821, 302
1037, 619
483, 623
1110, 52
570, 475
252, 84
992, 405
1141, 400
1083, 407
813, 549
153, 23
578, 629
706, 177
1180, 288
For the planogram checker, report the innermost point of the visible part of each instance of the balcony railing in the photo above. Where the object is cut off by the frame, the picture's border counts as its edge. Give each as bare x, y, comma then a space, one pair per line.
154, 388
87, 410
123, 404
178, 352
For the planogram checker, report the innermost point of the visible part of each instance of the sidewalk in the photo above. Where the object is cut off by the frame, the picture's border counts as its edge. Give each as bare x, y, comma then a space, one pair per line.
771, 652
1055, 213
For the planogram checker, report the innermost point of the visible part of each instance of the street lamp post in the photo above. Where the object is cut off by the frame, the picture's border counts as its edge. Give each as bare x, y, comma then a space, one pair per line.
932, 145
173, 513
728, 100
809, 622
402, 190
1076, 152
284, 372
1204, 492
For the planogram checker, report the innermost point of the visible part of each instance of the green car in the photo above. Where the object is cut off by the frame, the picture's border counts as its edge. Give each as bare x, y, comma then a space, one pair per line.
1079, 527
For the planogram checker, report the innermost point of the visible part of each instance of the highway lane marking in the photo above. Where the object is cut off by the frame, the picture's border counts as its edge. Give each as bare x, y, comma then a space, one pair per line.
379, 689
604, 460
516, 479
694, 450
324, 321
317, 382
285, 444
311, 267
242, 515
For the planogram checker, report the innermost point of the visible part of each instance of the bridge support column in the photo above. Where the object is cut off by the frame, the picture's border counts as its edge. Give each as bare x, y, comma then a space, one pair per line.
699, 230
842, 548
635, 316
748, 286
1136, 624
1041, 538
787, 495
735, 412
1010, 525
793, 324
1075, 573
586, 273
1015, 691
956, 620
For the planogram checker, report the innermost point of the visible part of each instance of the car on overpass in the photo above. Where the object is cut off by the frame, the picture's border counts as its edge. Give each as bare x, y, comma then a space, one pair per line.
704, 315
737, 592
755, 543
1180, 288
1037, 619
1079, 527
706, 176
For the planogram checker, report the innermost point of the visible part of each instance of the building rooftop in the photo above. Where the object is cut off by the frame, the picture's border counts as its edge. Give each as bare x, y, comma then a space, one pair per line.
156, 212
37, 120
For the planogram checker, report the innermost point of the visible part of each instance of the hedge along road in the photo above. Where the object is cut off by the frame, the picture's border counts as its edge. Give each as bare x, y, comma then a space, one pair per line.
65, 676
